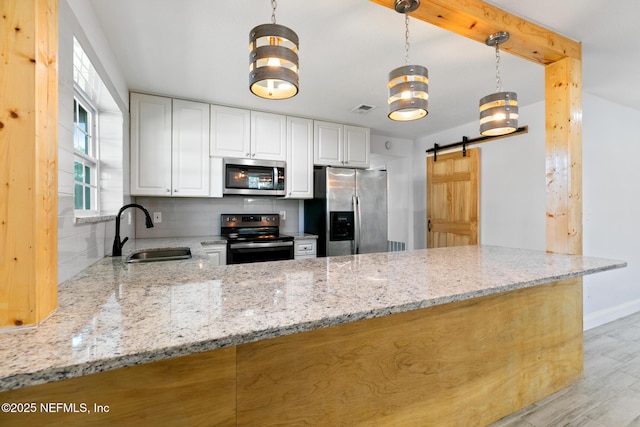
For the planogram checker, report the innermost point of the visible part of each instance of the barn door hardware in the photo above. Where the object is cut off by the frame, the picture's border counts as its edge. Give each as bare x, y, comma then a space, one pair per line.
466, 142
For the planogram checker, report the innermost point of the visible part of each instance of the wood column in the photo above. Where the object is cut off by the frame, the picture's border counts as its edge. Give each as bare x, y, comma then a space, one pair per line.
563, 94
28, 161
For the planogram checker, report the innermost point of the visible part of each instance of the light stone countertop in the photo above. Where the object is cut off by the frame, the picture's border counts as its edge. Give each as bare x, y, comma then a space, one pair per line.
300, 236
114, 314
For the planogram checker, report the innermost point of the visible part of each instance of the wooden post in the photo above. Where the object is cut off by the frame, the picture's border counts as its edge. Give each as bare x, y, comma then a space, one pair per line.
28, 161
563, 94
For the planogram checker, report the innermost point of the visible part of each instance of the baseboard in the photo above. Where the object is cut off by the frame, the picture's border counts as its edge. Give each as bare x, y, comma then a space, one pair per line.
610, 314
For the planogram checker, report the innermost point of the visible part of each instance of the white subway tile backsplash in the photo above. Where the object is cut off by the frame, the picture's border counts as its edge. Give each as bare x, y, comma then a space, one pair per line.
201, 216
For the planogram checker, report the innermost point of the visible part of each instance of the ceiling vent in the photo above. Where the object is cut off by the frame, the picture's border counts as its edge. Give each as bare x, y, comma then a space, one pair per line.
362, 109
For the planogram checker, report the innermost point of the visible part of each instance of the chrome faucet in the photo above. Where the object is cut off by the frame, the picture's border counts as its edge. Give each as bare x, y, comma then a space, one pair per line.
117, 245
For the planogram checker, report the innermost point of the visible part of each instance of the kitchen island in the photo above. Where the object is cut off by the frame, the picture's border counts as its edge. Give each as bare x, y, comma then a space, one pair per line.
414, 338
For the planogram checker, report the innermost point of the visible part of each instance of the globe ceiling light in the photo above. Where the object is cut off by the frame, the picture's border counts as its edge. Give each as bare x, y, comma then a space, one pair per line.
408, 85
498, 111
273, 57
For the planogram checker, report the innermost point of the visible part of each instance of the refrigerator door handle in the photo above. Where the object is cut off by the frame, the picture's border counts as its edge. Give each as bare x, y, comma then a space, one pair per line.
354, 242
358, 222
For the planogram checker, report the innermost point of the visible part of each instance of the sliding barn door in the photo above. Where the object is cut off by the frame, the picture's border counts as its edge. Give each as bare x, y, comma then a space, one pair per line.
452, 199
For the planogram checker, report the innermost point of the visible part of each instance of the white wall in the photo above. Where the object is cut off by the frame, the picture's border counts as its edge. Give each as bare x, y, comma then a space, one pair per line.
611, 199
80, 245
394, 155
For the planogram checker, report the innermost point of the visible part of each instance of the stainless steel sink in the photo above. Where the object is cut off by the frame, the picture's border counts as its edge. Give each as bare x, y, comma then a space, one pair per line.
159, 254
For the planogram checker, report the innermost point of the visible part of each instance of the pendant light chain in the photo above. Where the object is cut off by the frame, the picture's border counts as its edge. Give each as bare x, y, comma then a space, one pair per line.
406, 39
498, 79
273, 14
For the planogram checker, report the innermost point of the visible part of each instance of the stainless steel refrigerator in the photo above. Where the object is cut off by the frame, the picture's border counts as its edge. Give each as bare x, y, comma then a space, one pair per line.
348, 211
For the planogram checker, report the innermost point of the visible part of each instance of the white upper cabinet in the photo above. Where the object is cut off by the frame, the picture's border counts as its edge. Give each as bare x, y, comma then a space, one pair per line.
190, 149
230, 132
169, 147
341, 145
299, 172
246, 134
328, 142
150, 145
268, 136
357, 146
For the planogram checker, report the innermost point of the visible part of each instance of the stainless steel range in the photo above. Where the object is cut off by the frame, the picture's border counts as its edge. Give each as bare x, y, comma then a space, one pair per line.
255, 238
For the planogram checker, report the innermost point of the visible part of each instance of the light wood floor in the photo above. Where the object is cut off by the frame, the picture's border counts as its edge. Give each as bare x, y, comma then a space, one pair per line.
609, 393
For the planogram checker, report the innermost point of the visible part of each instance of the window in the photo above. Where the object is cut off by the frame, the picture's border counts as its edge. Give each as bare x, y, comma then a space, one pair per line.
98, 170
85, 164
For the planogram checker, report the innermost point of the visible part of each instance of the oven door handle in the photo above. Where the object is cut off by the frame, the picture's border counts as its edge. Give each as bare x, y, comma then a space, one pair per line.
257, 245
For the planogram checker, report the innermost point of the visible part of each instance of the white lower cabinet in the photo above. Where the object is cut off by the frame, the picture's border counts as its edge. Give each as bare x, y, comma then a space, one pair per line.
217, 254
305, 248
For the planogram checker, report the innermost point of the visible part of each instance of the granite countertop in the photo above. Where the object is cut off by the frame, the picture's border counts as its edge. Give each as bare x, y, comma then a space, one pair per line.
300, 236
115, 314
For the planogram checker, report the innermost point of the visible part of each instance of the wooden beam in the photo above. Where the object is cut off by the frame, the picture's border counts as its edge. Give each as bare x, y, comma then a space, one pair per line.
28, 161
477, 20
563, 93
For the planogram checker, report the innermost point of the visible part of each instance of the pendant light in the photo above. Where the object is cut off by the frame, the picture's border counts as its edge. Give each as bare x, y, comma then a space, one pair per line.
273, 68
498, 111
408, 85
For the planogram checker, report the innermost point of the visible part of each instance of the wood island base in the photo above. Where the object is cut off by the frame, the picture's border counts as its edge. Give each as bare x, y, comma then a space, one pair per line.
470, 362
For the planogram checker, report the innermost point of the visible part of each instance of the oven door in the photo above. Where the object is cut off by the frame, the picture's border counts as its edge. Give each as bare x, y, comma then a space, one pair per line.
245, 252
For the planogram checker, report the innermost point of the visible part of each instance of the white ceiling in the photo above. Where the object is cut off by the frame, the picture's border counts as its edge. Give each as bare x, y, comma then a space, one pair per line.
198, 49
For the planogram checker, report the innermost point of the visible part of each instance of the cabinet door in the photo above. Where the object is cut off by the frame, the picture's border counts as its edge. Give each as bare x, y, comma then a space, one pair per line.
150, 145
217, 254
268, 136
216, 177
356, 146
299, 170
230, 132
190, 146
328, 143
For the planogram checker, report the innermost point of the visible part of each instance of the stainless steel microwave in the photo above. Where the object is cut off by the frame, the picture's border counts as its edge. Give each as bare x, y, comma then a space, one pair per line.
254, 177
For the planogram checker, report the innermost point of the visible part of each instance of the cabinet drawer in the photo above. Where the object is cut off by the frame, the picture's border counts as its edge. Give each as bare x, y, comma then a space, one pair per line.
305, 248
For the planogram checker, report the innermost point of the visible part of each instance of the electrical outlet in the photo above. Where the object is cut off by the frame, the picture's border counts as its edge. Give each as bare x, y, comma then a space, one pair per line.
157, 217
283, 215
129, 218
